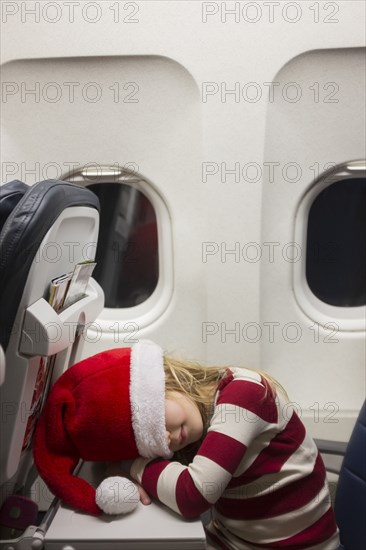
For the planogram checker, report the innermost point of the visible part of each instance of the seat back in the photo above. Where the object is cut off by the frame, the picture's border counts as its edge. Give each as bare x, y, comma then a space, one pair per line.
48, 229
350, 499
22, 234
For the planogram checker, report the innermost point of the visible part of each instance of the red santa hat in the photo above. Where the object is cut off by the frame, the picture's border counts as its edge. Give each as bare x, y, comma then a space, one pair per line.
108, 407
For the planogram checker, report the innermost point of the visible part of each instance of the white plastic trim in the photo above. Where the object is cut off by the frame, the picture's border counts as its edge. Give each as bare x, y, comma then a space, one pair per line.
46, 332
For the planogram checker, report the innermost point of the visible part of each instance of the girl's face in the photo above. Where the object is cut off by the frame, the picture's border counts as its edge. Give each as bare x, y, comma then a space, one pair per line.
182, 420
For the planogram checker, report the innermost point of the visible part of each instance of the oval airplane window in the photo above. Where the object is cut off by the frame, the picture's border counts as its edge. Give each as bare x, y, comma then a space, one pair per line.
336, 244
127, 253
134, 251
330, 227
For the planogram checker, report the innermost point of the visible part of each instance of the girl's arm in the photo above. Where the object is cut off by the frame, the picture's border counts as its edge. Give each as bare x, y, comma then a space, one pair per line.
242, 412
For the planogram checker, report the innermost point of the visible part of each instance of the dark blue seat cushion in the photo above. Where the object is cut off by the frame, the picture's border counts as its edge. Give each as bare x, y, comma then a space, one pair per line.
350, 501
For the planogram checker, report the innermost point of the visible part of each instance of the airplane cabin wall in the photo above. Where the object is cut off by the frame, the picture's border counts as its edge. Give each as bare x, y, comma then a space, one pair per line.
200, 133
323, 350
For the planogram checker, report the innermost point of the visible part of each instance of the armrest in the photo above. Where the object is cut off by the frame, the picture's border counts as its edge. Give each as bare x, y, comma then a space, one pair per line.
331, 447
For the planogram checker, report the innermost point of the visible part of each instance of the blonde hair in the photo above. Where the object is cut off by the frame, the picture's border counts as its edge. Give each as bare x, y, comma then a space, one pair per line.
200, 382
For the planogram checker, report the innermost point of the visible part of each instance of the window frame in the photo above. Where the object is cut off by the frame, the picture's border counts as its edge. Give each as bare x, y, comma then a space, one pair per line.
129, 320
342, 318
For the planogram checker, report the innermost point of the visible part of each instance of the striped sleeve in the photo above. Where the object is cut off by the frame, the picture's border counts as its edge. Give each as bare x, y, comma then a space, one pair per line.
243, 410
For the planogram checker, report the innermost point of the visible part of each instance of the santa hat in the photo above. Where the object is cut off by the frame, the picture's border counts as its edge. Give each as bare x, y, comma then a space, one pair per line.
108, 407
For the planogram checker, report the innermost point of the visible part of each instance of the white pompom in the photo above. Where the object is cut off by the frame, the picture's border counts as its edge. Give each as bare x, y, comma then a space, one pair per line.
117, 495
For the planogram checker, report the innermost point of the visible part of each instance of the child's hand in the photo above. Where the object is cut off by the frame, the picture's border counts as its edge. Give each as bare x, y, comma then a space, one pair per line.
123, 469
144, 497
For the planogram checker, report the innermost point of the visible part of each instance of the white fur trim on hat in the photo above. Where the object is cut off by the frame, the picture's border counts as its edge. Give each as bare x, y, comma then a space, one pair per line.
116, 495
147, 396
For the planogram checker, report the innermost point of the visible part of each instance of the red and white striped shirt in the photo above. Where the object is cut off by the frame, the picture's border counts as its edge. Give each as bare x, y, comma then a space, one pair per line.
258, 470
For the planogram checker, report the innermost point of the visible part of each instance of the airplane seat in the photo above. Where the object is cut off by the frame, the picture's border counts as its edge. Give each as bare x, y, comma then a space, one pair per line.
23, 230
350, 497
46, 230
